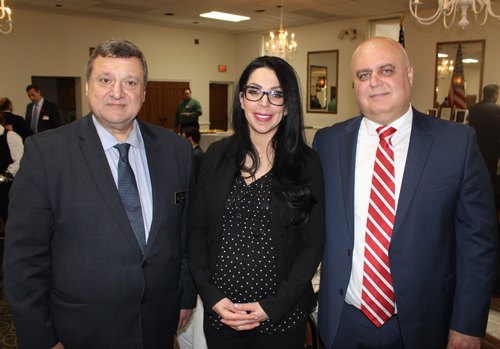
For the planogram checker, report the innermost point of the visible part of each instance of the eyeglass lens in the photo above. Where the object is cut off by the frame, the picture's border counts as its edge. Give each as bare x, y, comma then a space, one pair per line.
255, 94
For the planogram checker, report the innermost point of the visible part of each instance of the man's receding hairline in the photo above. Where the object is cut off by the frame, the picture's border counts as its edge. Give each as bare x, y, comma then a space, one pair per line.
389, 41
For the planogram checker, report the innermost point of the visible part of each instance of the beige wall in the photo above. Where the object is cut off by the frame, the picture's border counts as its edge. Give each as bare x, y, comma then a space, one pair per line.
44, 44
57, 45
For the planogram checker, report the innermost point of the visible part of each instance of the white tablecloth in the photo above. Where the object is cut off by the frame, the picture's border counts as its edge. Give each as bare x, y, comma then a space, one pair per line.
208, 138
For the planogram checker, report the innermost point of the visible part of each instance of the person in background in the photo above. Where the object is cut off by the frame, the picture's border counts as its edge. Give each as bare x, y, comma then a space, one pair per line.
484, 117
193, 135
95, 252
41, 115
256, 229
188, 112
411, 224
11, 152
14, 122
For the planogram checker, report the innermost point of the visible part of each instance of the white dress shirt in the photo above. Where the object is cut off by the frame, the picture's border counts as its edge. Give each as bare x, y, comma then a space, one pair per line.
16, 148
366, 150
139, 163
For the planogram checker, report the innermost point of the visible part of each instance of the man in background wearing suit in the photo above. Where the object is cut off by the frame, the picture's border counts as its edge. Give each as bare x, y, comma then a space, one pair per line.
14, 122
95, 252
411, 228
484, 117
41, 115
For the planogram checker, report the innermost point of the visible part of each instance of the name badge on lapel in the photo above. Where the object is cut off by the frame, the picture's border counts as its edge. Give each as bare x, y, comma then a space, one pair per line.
180, 197
45, 118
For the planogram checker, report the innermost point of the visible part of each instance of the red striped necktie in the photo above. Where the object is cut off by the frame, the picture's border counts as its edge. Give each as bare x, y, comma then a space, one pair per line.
377, 297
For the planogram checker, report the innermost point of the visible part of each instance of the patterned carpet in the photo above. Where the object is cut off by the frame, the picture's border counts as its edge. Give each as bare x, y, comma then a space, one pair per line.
8, 338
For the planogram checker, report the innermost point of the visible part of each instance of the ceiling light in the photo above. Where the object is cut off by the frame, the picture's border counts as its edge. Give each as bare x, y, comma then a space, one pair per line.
281, 47
224, 16
5, 11
470, 60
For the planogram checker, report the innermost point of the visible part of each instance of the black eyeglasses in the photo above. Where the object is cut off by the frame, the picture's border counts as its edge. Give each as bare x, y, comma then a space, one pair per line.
255, 94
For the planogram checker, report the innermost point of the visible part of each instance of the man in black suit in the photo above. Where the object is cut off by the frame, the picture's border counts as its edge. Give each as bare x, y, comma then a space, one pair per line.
88, 265
16, 122
484, 117
46, 113
193, 135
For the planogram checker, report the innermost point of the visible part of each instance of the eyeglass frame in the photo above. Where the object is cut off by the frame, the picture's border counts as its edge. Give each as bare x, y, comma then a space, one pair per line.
263, 93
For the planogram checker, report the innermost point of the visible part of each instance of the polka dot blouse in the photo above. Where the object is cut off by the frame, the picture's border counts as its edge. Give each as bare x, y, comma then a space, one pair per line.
246, 268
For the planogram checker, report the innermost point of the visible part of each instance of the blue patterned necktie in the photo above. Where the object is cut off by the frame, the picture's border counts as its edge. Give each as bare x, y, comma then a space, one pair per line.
34, 117
127, 187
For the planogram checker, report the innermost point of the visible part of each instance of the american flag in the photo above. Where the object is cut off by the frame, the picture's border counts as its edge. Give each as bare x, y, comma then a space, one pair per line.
456, 95
401, 32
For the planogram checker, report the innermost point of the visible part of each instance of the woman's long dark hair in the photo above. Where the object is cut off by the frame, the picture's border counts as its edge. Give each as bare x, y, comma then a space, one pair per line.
289, 183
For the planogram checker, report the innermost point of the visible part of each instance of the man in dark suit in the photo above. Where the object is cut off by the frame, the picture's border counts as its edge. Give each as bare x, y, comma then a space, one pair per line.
193, 135
41, 115
484, 117
95, 242
16, 122
411, 229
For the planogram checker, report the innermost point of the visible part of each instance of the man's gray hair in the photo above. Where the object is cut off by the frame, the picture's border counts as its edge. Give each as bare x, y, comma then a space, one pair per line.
117, 48
489, 91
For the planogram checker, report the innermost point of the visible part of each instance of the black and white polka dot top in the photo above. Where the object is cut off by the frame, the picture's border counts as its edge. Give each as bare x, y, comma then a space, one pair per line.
246, 269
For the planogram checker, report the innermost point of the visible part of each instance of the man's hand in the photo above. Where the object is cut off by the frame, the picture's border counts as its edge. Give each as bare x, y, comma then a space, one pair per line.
184, 318
462, 341
250, 309
237, 319
59, 346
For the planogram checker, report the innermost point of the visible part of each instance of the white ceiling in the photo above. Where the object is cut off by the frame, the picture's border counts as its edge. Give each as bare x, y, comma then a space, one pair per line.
186, 12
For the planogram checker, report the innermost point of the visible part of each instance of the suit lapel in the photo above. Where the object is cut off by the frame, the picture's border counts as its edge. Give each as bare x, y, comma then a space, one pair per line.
420, 145
98, 164
347, 155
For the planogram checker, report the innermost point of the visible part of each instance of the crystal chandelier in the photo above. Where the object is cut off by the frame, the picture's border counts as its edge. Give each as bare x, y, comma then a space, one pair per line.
3, 12
450, 7
281, 47
445, 68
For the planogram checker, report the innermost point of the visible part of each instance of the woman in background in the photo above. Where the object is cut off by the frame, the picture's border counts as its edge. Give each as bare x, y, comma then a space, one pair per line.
256, 229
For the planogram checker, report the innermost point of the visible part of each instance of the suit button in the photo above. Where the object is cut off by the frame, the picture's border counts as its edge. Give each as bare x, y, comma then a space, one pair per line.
349, 252
144, 264
341, 291
143, 301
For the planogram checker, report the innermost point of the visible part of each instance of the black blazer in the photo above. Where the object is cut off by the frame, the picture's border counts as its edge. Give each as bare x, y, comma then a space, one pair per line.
76, 273
298, 253
18, 123
48, 118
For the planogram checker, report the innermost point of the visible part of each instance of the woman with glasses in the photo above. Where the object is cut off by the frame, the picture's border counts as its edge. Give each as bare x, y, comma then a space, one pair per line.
256, 229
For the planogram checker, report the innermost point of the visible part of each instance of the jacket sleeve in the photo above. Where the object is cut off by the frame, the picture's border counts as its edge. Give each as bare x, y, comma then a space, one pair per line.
196, 110
309, 255
188, 299
199, 239
28, 255
476, 236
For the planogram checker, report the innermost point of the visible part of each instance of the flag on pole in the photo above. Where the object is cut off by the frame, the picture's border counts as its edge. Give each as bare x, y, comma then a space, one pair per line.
456, 96
401, 31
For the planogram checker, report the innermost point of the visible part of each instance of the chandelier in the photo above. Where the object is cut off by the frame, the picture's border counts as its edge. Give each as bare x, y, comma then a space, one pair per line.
5, 11
281, 47
450, 7
445, 68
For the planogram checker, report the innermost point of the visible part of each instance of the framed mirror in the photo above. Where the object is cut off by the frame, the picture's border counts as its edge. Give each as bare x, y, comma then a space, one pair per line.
322, 81
473, 66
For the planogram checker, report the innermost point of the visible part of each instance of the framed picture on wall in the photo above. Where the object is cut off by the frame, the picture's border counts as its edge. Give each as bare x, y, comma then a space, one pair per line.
432, 112
460, 115
446, 112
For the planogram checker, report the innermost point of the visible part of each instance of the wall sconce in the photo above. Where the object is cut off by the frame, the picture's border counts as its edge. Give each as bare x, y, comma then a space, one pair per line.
350, 32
